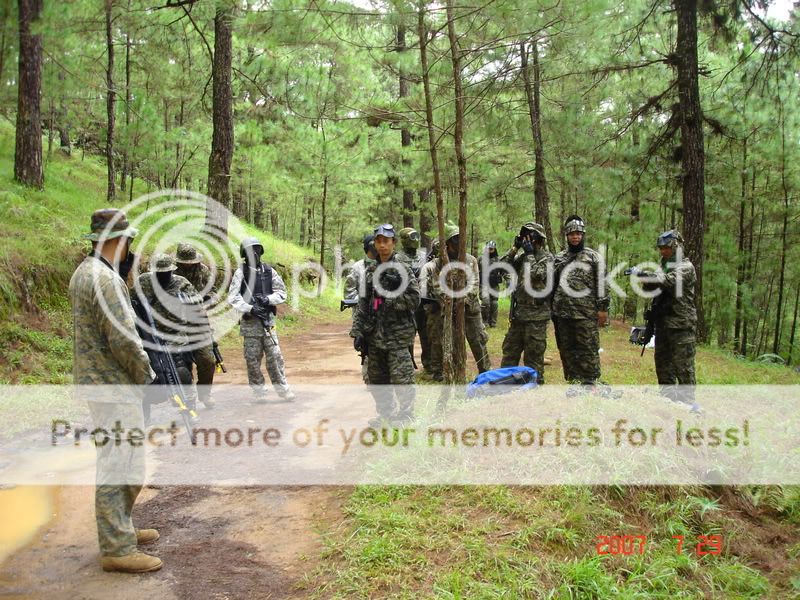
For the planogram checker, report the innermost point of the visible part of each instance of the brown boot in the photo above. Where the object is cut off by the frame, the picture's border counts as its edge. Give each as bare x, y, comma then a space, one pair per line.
135, 562
146, 536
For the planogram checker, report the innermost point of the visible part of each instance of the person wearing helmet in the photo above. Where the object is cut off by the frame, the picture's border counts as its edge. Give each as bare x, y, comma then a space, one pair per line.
676, 318
190, 267
491, 279
579, 307
473, 323
433, 321
384, 327
108, 351
255, 291
354, 286
526, 337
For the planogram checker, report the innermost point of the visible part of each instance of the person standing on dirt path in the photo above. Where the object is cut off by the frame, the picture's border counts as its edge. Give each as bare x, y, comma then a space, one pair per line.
354, 287
384, 327
580, 306
530, 303
109, 352
256, 290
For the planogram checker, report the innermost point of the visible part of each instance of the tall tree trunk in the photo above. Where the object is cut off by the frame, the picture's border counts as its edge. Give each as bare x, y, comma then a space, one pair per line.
458, 277
425, 221
692, 154
740, 270
541, 200
324, 217
447, 308
763, 323
405, 134
273, 221
794, 325
125, 166
635, 195
776, 341
111, 98
28, 148
3, 18
219, 161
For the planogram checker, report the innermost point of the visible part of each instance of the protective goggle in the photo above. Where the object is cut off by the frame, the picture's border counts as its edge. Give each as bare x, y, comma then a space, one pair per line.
667, 239
413, 236
386, 230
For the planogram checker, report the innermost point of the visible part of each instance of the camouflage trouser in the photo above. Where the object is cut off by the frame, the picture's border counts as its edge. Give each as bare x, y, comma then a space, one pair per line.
204, 359
477, 338
489, 310
674, 357
254, 350
421, 318
434, 326
527, 339
392, 367
365, 370
578, 343
113, 501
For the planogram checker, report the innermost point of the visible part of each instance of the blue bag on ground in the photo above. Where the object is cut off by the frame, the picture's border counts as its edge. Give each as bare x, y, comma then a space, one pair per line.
502, 381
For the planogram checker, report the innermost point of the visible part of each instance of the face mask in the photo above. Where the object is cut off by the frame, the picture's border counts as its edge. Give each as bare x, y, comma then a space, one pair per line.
164, 279
252, 258
124, 267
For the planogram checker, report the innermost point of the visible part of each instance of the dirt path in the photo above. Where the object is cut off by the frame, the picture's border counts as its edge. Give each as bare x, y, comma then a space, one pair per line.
216, 542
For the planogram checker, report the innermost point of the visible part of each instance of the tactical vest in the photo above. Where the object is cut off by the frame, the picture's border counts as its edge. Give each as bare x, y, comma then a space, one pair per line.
262, 286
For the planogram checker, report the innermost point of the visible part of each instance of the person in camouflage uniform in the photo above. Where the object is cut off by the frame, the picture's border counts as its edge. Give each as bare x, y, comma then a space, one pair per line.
384, 326
491, 280
181, 319
530, 301
108, 351
414, 259
433, 320
579, 307
188, 264
354, 286
473, 323
255, 290
676, 319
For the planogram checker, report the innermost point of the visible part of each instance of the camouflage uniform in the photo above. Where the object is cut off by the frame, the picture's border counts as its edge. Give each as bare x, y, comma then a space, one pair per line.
527, 330
577, 330
414, 260
352, 285
490, 281
108, 351
433, 320
387, 325
260, 338
475, 332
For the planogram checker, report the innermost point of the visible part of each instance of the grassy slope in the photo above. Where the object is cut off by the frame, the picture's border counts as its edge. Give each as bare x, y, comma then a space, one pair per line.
511, 542
40, 245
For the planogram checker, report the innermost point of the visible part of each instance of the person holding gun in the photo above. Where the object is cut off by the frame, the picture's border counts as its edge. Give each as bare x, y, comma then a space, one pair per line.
256, 289
354, 287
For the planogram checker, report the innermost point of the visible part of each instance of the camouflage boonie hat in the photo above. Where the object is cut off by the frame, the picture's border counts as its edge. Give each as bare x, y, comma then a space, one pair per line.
109, 223
671, 238
409, 238
574, 223
535, 228
162, 263
186, 254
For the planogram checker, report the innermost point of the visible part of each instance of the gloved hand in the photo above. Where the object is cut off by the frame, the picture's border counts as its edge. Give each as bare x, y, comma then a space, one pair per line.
390, 280
259, 312
358, 343
518, 242
527, 246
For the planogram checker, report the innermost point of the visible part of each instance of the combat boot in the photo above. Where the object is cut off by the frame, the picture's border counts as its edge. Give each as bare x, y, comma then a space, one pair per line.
146, 536
135, 562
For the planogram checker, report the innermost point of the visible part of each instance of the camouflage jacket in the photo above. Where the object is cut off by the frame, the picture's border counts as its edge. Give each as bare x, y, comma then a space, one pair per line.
583, 273
107, 348
355, 279
387, 323
472, 302
534, 272
251, 326
199, 275
677, 280
412, 261
179, 313
493, 278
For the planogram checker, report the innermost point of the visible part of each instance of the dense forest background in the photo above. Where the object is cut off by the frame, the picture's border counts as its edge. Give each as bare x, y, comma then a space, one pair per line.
316, 120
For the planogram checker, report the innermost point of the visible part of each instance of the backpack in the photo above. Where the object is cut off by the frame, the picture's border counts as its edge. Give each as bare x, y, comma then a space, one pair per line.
502, 381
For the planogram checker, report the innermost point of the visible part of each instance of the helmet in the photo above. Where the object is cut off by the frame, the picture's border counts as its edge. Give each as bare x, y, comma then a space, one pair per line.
574, 223
186, 254
250, 242
163, 263
409, 238
450, 231
490, 245
386, 230
671, 238
534, 228
368, 242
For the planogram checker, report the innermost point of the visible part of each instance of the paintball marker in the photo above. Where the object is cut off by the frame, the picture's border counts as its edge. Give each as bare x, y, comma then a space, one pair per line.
218, 358
345, 304
518, 378
163, 363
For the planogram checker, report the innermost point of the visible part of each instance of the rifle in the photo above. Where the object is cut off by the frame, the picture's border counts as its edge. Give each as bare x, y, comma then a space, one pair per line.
658, 307
163, 363
218, 357
345, 304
